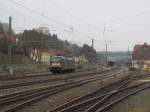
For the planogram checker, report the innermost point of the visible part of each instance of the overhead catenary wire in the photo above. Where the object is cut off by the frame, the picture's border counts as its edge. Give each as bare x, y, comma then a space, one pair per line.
113, 20
38, 13
117, 19
65, 11
28, 18
25, 17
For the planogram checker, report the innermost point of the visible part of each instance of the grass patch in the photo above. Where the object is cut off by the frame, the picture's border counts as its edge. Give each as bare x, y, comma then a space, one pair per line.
20, 64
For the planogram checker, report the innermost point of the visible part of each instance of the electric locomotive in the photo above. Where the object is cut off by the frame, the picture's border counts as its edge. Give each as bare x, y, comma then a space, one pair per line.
60, 64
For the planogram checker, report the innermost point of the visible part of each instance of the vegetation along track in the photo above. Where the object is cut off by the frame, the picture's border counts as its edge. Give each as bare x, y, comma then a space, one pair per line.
46, 80
99, 101
23, 98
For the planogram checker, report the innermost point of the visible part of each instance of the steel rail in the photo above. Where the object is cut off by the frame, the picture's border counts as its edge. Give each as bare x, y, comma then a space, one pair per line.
80, 98
56, 85
122, 98
32, 75
95, 99
7, 86
97, 105
71, 108
47, 93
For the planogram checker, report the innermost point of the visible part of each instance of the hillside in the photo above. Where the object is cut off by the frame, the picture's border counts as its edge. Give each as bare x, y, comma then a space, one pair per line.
20, 64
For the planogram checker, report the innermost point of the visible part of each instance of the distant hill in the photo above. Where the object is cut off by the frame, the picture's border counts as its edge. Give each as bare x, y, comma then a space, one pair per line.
114, 55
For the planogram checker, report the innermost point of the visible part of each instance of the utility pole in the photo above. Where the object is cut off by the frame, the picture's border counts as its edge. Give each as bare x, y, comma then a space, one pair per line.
106, 53
93, 43
10, 48
128, 60
128, 53
23, 46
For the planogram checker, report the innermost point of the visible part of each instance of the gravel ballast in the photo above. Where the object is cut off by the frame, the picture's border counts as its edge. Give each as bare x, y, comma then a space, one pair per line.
55, 100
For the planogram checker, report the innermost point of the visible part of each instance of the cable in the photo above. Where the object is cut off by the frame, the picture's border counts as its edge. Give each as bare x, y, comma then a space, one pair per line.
113, 20
66, 11
126, 17
36, 12
26, 17
23, 27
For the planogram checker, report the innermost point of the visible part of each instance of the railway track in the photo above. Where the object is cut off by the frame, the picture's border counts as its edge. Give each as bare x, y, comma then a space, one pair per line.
123, 94
28, 97
24, 76
48, 79
100, 102
33, 75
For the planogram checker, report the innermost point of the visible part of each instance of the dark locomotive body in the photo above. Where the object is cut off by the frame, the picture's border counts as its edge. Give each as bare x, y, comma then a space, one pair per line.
60, 64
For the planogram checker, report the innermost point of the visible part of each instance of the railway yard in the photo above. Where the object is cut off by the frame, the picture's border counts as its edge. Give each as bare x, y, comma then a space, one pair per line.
82, 91
74, 56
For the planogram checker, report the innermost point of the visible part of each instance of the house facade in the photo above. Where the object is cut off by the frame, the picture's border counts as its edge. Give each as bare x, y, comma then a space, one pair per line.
43, 55
141, 57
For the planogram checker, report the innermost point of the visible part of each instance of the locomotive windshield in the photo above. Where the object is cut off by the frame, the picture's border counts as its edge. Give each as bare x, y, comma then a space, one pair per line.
57, 59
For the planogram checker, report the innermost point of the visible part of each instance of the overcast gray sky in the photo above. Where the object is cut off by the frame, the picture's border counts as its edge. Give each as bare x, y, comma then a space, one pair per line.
124, 22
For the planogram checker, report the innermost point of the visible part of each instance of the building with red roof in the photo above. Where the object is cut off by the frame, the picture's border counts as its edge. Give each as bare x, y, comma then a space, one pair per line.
141, 56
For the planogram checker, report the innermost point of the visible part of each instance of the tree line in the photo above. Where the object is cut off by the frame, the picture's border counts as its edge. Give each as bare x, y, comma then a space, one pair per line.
35, 39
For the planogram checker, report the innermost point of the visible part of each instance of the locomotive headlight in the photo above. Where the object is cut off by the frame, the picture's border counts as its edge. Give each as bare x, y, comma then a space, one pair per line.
56, 64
